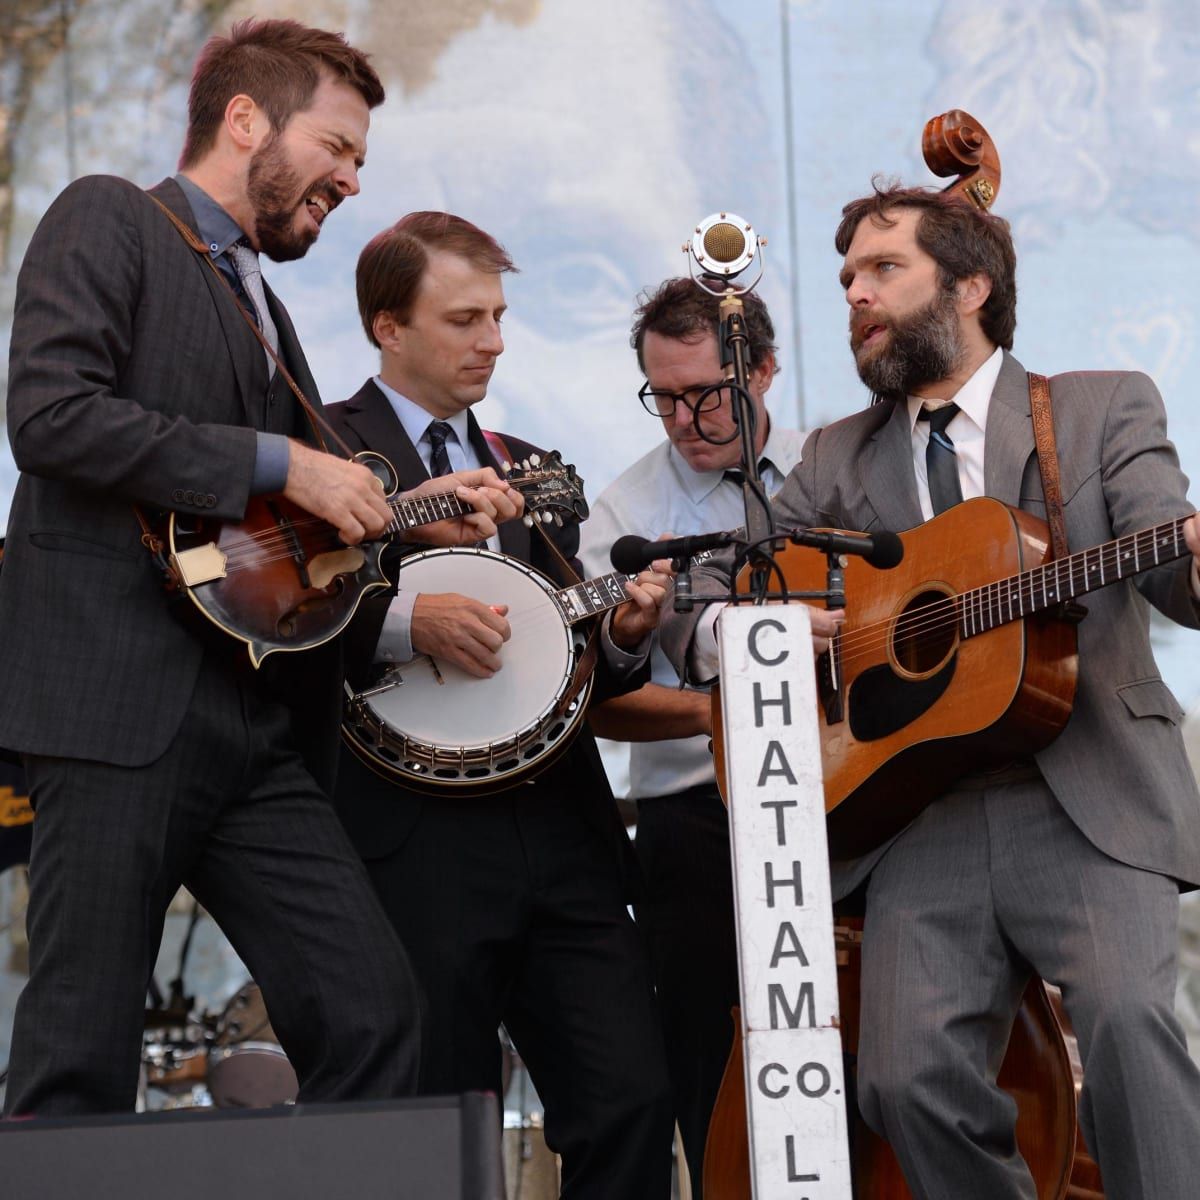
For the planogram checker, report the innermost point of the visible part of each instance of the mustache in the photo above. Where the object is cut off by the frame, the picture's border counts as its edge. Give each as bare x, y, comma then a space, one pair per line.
863, 323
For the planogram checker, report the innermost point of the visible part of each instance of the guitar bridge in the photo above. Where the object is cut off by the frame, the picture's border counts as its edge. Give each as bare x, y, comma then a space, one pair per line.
829, 682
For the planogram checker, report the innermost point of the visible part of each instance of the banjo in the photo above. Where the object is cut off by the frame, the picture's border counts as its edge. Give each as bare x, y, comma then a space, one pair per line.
429, 725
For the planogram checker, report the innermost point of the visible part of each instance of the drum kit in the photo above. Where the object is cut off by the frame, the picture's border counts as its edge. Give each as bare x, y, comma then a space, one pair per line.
230, 1059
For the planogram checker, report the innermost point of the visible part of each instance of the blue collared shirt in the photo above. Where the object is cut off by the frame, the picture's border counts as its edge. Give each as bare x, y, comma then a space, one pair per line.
220, 231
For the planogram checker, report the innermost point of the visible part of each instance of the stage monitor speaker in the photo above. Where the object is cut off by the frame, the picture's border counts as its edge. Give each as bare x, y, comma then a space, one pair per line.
439, 1148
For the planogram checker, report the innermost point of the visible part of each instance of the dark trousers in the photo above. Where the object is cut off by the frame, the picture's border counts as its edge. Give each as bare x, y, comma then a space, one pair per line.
687, 916
230, 811
512, 912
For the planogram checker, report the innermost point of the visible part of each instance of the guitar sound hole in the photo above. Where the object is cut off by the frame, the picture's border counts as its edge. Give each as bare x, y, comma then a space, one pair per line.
925, 633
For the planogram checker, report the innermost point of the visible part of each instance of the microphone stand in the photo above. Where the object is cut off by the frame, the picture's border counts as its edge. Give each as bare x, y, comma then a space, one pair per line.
734, 345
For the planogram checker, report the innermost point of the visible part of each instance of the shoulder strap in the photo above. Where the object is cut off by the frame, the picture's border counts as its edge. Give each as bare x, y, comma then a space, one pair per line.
320, 426
1047, 456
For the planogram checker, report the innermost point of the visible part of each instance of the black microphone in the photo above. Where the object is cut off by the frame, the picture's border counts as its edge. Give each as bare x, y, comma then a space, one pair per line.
631, 554
882, 550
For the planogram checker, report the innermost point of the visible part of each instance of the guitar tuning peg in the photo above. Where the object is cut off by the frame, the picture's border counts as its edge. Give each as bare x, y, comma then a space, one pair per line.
527, 520
525, 464
558, 520
546, 517
506, 467
535, 459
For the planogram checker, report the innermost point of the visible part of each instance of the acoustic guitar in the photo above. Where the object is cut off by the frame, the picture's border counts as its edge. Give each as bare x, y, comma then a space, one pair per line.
282, 579
962, 656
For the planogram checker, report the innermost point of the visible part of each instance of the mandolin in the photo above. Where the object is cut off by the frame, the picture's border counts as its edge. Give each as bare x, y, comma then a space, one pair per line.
281, 579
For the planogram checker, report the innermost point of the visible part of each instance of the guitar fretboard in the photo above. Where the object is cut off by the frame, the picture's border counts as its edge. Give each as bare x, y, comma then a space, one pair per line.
1063, 579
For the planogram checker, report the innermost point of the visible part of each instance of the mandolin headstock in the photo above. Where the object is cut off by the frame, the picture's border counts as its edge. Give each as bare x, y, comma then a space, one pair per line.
552, 489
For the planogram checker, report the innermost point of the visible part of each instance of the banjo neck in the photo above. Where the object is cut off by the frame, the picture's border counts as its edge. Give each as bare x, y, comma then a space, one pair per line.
594, 596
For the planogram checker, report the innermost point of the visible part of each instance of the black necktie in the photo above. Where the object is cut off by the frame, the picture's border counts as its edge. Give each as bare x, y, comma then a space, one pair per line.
941, 460
738, 476
439, 460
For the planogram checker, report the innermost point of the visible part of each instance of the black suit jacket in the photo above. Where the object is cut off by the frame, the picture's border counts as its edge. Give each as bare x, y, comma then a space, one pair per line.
380, 814
133, 378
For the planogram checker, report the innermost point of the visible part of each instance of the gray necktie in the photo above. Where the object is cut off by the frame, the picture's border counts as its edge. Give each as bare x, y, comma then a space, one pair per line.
245, 263
941, 459
439, 460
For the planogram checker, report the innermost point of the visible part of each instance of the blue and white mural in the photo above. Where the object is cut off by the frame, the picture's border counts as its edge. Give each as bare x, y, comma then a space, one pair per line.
590, 138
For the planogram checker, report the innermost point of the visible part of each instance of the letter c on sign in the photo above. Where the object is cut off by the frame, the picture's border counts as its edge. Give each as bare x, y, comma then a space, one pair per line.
762, 1081
753, 642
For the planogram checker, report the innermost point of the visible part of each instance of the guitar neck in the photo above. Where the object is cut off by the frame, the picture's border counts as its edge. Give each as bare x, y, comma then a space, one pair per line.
1063, 579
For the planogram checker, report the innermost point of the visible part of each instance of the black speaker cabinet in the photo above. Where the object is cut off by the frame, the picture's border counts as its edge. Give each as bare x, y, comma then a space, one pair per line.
438, 1148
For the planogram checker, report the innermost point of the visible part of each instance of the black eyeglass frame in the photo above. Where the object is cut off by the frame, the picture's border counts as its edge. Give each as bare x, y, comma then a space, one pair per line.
646, 395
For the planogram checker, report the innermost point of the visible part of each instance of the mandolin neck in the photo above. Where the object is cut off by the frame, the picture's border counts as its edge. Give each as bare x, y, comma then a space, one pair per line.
442, 506
1060, 581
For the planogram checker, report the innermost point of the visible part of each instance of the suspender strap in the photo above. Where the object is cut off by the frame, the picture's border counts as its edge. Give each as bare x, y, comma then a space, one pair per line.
1047, 456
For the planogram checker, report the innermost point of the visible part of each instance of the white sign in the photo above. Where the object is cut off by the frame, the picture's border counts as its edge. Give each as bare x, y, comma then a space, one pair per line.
795, 1091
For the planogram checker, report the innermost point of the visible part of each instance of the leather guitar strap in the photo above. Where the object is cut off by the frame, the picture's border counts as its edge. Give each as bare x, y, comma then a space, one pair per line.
320, 426
151, 540
586, 662
1047, 456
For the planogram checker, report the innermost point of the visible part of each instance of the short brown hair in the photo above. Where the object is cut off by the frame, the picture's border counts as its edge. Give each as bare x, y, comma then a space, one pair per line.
278, 64
392, 264
962, 239
679, 308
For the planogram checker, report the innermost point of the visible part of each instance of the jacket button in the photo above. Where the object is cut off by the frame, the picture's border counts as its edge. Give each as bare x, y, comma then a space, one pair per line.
189, 497
210, 501
177, 495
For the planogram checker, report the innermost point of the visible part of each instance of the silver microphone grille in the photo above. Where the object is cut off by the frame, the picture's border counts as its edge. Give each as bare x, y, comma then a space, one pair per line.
724, 242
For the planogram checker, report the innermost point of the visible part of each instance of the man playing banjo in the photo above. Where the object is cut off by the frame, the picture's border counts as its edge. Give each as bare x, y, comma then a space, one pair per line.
512, 906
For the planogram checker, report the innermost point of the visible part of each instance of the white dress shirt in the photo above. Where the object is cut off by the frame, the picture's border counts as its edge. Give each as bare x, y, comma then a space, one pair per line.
395, 639
661, 494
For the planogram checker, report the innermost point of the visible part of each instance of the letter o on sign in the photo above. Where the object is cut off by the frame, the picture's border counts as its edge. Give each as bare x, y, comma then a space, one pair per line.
813, 1080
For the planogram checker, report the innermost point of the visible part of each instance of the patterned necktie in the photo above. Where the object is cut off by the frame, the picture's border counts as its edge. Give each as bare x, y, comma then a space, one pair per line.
439, 460
941, 459
245, 263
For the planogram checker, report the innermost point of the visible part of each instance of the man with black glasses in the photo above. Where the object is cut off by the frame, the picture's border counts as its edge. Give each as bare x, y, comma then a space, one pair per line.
689, 483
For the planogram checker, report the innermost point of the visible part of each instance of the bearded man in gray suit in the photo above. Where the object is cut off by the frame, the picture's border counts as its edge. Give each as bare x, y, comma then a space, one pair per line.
155, 754
1067, 862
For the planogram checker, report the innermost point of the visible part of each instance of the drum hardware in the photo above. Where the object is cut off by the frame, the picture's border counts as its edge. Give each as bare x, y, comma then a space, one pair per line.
531, 1169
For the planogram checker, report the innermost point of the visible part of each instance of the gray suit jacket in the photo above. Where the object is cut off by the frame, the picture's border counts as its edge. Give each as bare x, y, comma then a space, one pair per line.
1119, 769
132, 378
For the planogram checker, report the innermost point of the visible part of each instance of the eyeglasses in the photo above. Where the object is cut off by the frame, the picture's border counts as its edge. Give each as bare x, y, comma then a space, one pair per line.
698, 399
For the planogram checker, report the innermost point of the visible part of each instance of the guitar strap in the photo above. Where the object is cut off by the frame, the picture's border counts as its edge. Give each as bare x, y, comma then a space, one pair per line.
1047, 456
151, 540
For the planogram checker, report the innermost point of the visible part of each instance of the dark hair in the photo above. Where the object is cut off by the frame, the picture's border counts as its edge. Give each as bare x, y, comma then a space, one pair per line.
959, 237
681, 309
278, 64
392, 264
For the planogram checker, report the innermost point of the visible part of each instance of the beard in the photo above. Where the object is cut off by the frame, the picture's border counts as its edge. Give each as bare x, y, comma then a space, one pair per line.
919, 348
275, 192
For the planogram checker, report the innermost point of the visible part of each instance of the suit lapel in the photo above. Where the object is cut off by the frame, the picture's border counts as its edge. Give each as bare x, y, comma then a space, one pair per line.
886, 471
372, 418
247, 356
1009, 439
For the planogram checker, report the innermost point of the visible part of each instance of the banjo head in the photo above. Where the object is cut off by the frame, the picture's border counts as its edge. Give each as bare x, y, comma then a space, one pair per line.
429, 722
